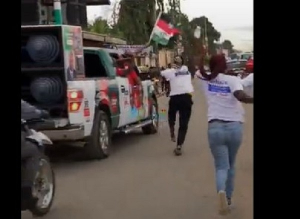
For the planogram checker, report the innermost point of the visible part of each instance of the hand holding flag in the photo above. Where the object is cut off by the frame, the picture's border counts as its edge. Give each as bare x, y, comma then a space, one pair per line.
163, 31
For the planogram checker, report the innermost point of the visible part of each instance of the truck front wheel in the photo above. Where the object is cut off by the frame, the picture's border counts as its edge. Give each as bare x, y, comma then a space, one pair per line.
98, 146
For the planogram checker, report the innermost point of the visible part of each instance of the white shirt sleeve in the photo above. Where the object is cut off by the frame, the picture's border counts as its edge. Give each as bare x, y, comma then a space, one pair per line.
183, 68
168, 73
248, 81
235, 84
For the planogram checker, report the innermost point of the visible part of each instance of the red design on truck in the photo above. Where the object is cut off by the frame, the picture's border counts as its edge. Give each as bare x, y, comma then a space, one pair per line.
114, 103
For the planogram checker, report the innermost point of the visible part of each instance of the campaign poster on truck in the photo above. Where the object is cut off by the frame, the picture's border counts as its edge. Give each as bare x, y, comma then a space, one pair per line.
73, 53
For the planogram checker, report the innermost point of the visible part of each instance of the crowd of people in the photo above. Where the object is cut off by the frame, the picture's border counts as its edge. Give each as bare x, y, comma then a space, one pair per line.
225, 115
224, 94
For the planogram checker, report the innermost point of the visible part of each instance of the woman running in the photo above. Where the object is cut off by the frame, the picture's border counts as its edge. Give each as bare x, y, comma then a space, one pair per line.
224, 94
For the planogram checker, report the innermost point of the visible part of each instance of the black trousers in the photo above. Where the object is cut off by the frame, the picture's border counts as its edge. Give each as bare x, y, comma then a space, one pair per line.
183, 104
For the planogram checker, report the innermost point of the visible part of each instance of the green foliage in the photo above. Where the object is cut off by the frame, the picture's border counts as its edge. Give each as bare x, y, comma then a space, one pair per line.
101, 26
136, 20
211, 32
135, 23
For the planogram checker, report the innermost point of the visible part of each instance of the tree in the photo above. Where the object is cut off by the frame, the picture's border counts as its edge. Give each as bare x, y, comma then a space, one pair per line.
99, 25
212, 34
228, 45
135, 20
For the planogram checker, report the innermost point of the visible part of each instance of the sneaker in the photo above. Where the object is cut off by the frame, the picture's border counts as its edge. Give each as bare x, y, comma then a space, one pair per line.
223, 205
178, 151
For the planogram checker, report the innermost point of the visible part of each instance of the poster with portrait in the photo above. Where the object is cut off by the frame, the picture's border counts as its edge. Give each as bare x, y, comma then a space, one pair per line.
73, 52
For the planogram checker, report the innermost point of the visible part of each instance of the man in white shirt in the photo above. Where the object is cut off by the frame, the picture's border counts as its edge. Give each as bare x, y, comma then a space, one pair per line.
180, 100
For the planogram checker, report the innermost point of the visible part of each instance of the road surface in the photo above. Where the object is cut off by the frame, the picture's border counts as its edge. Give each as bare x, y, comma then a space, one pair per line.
142, 179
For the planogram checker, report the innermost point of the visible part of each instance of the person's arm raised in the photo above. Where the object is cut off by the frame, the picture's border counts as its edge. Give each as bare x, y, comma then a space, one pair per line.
167, 73
203, 72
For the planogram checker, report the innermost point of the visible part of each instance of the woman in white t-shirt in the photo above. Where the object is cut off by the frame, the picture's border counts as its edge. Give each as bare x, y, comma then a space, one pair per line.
224, 94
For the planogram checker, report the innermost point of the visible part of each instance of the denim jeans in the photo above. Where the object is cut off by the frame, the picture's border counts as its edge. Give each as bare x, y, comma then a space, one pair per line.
225, 139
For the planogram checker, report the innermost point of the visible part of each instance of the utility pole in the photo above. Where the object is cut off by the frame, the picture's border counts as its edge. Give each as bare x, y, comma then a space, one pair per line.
176, 13
57, 12
155, 46
172, 4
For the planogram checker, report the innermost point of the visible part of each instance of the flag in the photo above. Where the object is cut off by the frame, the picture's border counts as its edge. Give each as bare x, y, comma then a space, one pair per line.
163, 30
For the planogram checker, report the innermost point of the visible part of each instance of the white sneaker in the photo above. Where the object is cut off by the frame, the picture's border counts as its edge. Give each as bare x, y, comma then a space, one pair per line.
223, 205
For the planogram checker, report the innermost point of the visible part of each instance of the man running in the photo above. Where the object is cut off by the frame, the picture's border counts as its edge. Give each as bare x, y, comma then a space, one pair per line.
180, 100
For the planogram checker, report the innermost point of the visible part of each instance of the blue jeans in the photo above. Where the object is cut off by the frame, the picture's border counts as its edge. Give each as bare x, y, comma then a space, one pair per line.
225, 139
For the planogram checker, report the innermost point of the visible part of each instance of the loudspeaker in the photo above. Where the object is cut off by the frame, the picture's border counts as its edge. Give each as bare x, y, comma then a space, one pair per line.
35, 12
76, 13
41, 48
30, 12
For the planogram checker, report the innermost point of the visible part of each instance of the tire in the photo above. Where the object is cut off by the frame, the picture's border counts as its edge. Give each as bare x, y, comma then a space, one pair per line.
153, 127
34, 207
94, 148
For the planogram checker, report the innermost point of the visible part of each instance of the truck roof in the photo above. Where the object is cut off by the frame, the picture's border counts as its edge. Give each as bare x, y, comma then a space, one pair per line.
110, 51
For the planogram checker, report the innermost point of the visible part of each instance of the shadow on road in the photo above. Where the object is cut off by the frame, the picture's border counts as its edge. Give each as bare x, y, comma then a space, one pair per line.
71, 153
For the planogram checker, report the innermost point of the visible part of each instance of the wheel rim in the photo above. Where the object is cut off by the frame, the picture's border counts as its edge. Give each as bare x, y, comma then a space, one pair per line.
43, 187
103, 137
154, 116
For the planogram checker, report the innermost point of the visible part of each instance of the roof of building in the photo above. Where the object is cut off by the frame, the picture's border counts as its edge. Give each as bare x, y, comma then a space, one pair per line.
98, 2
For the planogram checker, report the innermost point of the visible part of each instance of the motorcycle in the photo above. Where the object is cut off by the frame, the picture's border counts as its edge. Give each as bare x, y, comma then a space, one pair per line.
37, 176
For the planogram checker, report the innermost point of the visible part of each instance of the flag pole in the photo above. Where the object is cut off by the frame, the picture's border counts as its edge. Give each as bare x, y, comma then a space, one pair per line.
57, 12
151, 35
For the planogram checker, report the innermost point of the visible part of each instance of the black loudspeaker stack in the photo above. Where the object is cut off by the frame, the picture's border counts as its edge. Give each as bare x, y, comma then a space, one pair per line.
35, 12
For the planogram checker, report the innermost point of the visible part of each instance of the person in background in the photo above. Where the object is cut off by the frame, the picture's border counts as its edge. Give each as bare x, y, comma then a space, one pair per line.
167, 85
224, 94
163, 81
180, 100
128, 69
196, 69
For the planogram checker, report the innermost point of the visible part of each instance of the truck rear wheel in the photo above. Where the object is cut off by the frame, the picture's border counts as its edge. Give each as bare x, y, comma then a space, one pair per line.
98, 146
153, 127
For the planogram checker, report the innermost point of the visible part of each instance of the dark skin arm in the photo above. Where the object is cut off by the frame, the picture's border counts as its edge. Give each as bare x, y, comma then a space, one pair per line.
241, 96
203, 72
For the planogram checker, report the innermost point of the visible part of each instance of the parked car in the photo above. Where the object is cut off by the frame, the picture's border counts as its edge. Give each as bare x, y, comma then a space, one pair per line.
237, 67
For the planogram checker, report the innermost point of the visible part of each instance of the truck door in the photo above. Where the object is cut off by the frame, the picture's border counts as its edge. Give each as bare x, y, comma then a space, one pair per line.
146, 90
124, 97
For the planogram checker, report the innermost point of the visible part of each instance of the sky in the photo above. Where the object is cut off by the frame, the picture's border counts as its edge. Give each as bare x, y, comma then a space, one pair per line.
233, 18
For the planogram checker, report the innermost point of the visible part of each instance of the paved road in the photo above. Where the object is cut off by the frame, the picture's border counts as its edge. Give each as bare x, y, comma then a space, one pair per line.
143, 180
